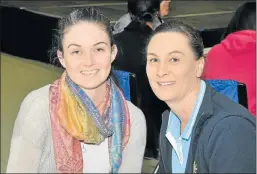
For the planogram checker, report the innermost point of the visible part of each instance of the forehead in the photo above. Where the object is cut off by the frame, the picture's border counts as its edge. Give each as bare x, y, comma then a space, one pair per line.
167, 42
85, 34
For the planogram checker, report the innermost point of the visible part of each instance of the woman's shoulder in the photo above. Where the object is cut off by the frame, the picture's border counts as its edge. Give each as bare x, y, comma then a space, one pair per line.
34, 110
33, 117
226, 112
134, 110
36, 97
38, 94
136, 114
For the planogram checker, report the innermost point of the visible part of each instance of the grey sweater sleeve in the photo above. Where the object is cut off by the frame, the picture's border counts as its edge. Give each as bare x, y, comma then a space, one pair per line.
232, 146
133, 154
29, 136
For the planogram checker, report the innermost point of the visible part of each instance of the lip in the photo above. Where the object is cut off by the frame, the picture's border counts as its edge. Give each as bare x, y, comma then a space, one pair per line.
166, 83
89, 72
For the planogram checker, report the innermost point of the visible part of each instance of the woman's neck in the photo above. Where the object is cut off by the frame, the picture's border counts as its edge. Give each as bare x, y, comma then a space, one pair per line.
98, 94
184, 108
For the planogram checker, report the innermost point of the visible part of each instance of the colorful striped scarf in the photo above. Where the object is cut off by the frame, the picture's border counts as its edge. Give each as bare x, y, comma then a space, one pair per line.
75, 119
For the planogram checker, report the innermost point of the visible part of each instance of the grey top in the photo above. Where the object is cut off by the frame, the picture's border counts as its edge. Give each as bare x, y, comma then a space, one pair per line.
32, 145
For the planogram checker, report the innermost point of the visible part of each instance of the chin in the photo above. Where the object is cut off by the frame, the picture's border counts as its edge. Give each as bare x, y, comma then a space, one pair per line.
90, 82
90, 86
164, 98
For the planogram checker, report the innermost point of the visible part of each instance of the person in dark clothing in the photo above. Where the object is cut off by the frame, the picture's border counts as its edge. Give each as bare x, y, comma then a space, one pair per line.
131, 42
131, 57
204, 131
124, 20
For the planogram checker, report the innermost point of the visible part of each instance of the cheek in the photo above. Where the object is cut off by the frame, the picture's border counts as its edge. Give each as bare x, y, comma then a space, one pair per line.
151, 76
103, 64
150, 72
72, 64
105, 69
183, 71
186, 78
102, 60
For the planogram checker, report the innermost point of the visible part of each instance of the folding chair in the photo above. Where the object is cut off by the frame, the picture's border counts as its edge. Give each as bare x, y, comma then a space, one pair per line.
128, 84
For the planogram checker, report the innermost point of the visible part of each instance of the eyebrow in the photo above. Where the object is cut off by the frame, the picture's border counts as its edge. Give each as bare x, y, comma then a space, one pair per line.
100, 43
73, 44
151, 54
176, 51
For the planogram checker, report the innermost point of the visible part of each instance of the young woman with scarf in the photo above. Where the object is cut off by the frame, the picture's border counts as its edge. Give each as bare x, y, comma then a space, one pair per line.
81, 123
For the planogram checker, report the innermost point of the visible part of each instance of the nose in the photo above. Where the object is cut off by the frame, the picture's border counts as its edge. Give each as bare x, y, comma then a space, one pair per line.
88, 59
162, 69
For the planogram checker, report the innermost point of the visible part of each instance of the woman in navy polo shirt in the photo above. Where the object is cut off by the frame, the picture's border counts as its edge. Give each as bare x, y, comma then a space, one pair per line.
204, 131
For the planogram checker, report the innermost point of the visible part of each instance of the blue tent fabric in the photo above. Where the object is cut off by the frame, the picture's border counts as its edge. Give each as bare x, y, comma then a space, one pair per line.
228, 88
123, 78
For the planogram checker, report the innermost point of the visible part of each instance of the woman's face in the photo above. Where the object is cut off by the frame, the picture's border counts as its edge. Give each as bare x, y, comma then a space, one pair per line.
164, 8
87, 54
172, 68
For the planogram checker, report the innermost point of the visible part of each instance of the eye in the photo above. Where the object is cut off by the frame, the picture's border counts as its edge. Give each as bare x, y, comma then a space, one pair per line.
99, 49
75, 52
174, 60
153, 60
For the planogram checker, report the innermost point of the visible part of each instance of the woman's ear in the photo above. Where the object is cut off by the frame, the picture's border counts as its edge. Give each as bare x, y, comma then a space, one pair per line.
200, 67
114, 52
61, 59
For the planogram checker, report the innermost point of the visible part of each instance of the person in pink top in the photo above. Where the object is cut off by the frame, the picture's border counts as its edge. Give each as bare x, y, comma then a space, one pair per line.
235, 57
